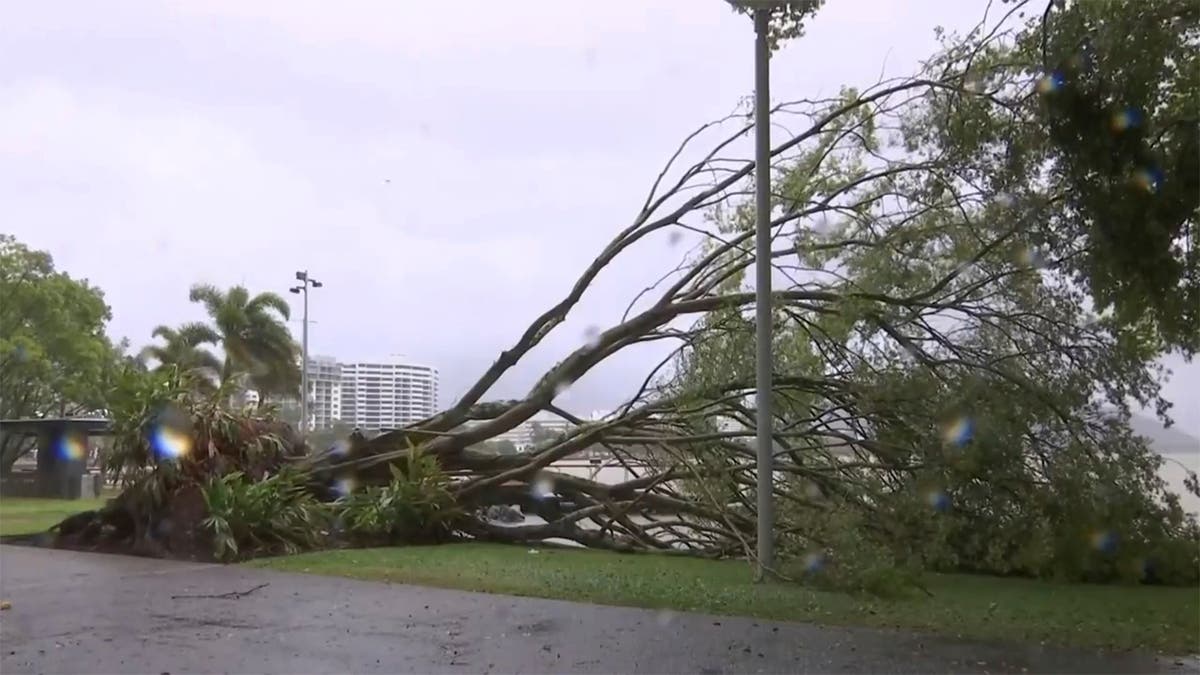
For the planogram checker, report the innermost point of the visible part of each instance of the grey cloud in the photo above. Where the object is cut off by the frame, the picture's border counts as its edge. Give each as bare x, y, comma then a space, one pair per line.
446, 174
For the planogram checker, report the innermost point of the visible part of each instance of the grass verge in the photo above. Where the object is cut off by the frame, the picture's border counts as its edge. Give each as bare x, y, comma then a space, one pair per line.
27, 515
989, 608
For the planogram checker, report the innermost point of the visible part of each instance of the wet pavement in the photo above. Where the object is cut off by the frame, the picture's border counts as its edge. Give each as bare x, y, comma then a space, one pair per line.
91, 613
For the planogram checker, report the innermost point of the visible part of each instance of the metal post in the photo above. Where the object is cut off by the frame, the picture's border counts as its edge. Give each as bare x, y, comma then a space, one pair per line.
762, 294
304, 364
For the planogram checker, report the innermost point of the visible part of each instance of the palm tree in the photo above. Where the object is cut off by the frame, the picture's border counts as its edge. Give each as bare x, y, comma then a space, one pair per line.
183, 348
257, 343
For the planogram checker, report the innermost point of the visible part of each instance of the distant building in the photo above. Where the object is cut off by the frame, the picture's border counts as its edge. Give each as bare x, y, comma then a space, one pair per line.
387, 394
324, 392
370, 395
541, 427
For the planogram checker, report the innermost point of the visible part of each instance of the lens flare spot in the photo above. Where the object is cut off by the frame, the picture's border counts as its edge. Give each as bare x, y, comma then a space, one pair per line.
1124, 120
1148, 179
814, 562
959, 432
1104, 541
1051, 82
71, 448
543, 488
169, 443
938, 500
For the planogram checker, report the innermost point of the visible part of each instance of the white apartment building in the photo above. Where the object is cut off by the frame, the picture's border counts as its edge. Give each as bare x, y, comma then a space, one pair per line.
370, 395
384, 394
324, 392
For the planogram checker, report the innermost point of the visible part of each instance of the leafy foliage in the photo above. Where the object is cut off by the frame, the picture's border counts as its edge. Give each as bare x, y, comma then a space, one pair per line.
415, 506
257, 343
183, 348
940, 285
276, 514
1121, 101
55, 359
786, 18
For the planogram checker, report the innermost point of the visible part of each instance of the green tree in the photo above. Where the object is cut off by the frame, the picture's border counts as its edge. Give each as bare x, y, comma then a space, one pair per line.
183, 348
252, 331
55, 359
948, 272
1097, 143
787, 18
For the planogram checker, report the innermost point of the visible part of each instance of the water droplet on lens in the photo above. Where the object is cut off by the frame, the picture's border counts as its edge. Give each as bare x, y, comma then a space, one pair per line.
561, 388
1104, 541
1030, 257
1148, 179
543, 487
345, 485
1051, 82
1124, 120
170, 436
822, 225
71, 447
959, 432
592, 335
938, 500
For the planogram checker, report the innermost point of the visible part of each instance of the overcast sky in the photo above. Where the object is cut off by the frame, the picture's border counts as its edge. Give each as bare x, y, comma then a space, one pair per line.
445, 173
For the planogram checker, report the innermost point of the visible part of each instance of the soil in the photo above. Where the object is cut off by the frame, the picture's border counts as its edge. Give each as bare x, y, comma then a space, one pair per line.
179, 535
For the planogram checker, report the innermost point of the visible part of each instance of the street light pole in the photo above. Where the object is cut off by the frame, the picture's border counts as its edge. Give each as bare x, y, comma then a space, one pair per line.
305, 283
761, 10
762, 292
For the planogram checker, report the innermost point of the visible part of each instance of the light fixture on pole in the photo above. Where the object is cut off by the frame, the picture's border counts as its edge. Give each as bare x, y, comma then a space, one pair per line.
761, 10
302, 288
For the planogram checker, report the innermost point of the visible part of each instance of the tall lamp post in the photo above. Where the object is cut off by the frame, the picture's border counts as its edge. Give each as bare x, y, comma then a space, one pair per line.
302, 288
761, 10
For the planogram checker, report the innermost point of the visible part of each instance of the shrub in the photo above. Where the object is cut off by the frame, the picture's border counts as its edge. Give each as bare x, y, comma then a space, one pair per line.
415, 506
273, 515
851, 557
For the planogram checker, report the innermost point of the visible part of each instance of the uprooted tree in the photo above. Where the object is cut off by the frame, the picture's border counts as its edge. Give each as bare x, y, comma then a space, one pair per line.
946, 393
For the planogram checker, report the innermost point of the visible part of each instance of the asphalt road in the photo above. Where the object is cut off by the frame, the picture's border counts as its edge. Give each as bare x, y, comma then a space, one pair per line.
91, 613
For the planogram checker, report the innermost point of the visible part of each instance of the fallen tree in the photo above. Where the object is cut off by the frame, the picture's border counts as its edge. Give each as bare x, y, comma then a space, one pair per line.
918, 295
943, 396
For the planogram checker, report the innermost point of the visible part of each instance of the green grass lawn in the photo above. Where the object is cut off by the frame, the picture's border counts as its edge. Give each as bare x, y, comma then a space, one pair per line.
27, 515
1119, 617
